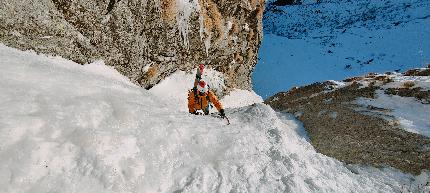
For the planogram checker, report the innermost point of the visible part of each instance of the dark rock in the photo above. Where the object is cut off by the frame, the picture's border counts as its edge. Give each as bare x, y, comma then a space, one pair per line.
411, 72
353, 79
416, 92
348, 66
418, 72
287, 2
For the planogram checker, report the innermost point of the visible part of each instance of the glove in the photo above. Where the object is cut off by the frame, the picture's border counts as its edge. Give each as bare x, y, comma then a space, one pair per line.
196, 113
222, 113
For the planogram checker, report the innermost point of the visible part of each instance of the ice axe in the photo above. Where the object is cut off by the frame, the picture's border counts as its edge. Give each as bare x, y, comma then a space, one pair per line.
228, 121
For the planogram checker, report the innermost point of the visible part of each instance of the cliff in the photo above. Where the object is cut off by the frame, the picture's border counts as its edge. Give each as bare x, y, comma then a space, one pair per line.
144, 40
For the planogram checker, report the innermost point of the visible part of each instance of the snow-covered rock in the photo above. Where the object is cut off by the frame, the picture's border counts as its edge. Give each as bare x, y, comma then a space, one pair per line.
377, 119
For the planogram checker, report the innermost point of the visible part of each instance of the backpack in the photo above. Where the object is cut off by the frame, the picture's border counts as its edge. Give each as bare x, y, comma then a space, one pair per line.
196, 96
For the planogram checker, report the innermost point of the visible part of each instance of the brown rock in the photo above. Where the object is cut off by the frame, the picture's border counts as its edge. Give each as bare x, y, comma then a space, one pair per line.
353, 134
371, 75
412, 72
132, 35
353, 79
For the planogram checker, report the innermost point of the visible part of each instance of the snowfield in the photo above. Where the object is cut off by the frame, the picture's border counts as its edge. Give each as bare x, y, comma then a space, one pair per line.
411, 114
337, 39
71, 128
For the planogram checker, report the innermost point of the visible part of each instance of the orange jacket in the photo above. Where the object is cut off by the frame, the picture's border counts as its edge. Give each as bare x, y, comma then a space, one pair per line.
202, 102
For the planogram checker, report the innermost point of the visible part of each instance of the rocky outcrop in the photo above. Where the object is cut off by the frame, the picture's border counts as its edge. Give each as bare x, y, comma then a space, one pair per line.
357, 134
145, 40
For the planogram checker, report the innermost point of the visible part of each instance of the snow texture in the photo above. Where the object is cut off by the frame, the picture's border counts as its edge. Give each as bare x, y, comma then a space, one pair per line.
338, 39
398, 81
240, 98
70, 128
173, 90
412, 115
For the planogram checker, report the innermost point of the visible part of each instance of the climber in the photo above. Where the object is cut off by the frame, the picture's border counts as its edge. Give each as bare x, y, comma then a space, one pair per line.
201, 97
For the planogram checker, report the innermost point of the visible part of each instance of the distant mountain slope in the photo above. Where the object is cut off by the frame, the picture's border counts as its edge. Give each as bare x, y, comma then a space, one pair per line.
327, 18
335, 39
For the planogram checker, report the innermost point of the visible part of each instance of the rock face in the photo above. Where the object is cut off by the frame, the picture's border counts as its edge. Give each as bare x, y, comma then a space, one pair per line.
145, 40
340, 128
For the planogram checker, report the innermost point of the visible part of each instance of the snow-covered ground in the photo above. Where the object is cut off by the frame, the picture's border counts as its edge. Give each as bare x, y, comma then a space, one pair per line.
71, 128
333, 40
412, 114
173, 90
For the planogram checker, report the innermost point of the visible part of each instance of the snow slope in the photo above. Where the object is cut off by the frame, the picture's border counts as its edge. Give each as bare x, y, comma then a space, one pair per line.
333, 40
71, 128
174, 90
411, 114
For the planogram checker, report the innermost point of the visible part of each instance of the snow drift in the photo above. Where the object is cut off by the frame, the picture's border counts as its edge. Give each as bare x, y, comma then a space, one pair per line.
71, 128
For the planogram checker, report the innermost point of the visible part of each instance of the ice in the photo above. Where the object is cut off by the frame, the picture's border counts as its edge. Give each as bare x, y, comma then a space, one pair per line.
185, 9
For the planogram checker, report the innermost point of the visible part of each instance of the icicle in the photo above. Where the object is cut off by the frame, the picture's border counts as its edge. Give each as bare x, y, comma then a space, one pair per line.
202, 26
185, 9
208, 43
